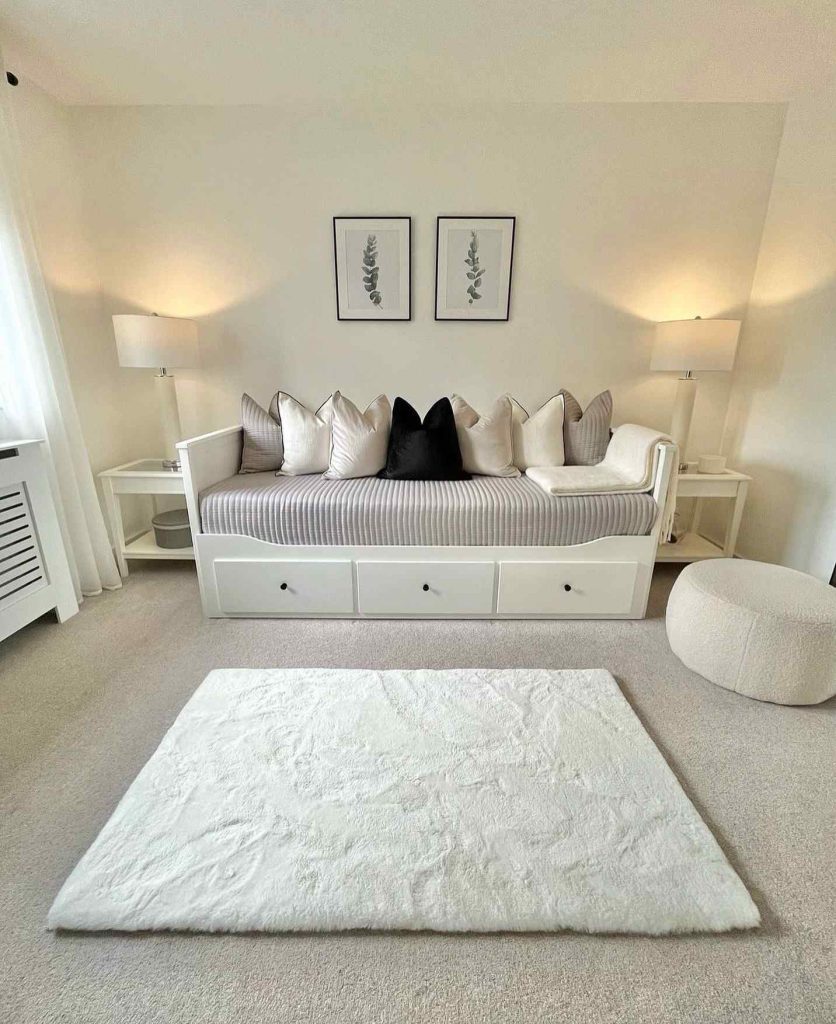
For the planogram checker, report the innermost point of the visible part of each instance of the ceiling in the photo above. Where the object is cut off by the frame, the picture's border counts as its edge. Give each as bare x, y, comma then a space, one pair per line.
429, 51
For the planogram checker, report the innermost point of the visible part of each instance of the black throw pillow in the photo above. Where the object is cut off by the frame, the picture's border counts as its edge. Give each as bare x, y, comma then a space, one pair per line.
423, 451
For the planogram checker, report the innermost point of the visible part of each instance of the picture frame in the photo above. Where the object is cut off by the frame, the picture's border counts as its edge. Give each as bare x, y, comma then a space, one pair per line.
373, 267
474, 261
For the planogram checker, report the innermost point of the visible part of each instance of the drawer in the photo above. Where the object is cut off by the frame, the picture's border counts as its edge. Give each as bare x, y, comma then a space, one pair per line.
425, 588
264, 587
566, 588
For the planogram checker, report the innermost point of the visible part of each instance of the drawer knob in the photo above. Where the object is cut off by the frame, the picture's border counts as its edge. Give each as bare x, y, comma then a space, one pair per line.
283, 586
567, 587
426, 586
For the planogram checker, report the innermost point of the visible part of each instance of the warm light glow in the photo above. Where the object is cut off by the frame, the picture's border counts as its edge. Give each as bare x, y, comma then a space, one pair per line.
670, 288
189, 282
791, 275
675, 295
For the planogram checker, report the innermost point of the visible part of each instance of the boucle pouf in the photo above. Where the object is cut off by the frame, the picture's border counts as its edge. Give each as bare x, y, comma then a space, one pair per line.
762, 630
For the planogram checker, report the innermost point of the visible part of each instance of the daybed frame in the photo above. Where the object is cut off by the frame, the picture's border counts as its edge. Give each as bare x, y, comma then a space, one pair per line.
240, 576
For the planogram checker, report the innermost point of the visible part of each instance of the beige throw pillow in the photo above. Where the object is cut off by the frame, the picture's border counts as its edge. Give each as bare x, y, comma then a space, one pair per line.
306, 436
485, 441
359, 440
538, 438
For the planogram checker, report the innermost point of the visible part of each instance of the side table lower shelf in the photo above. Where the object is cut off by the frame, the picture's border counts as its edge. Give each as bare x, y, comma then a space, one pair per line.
145, 546
690, 548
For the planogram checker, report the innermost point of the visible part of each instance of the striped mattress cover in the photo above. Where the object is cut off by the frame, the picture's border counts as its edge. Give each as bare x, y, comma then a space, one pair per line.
484, 511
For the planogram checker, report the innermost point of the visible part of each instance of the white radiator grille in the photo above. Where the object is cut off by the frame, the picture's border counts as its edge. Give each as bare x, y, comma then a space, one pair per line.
21, 565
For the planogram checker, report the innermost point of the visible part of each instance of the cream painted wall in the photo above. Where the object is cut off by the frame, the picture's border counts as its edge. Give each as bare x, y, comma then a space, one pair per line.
782, 418
112, 403
627, 214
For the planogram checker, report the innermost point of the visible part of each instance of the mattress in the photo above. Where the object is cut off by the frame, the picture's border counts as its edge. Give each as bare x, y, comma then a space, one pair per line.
484, 511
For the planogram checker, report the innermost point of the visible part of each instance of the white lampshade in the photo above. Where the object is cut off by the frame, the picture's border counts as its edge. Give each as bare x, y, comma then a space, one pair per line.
161, 341
695, 345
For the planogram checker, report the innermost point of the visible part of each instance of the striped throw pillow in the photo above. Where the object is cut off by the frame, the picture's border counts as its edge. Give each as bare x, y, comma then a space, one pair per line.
262, 450
586, 433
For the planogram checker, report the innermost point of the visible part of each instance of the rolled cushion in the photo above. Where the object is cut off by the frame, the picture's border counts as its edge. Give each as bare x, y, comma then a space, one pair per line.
761, 630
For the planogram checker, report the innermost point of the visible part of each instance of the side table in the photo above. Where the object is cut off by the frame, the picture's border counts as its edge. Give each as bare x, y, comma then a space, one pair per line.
693, 547
145, 476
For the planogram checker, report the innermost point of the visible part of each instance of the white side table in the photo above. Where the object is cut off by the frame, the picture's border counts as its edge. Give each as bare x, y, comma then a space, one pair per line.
146, 476
693, 547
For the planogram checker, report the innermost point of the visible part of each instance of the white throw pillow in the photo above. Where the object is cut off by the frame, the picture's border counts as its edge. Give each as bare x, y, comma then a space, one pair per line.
306, 436
538, 439
485, 441
359, 440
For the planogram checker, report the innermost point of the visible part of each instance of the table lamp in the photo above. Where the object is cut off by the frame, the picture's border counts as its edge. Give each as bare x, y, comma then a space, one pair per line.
144, 340
689, 345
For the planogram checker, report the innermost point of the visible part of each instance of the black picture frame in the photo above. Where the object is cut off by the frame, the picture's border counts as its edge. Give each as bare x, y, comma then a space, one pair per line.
340, 306
506, 315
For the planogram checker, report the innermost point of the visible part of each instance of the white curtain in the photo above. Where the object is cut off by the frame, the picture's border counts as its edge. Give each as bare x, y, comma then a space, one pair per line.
35, 396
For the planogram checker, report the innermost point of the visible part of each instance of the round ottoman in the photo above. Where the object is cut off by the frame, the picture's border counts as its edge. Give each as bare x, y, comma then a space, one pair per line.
758, 629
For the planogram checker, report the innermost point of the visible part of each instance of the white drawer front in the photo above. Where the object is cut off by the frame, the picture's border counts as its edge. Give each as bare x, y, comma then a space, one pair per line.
261, 586
566, 588
425, 588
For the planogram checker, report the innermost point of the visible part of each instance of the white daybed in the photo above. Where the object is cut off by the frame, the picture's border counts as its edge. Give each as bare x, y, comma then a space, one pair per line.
486, 548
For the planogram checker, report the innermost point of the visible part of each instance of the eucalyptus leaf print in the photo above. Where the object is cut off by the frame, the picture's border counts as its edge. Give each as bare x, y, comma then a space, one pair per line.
371, 271
475, 269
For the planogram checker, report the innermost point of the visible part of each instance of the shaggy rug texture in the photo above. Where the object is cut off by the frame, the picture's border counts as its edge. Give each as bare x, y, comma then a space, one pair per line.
455, 800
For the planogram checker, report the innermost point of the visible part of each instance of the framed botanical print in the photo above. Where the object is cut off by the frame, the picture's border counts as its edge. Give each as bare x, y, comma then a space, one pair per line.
474, 257
372, 267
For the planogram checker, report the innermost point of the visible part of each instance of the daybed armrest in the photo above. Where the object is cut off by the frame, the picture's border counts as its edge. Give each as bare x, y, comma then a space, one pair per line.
666, 471
207, 460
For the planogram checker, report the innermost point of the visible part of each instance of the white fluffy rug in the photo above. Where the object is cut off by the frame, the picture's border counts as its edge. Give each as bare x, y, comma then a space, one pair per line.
466, 800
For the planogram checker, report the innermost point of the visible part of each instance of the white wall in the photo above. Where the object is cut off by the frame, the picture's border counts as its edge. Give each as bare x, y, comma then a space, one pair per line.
782, 418
627, 214
112, 403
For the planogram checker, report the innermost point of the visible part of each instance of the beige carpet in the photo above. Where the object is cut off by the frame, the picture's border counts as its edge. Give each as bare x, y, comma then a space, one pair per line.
84, 706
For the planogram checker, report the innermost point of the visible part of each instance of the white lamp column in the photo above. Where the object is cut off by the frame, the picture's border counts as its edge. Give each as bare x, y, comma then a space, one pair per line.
163, 342
170, 413
689, 345
683, 410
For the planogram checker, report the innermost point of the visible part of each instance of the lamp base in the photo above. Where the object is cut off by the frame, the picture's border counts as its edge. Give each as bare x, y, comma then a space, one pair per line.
683, 409
167, 398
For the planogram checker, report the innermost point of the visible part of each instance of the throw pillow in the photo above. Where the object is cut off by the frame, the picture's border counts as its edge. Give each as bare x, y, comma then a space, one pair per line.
306, 436
423, 451
485, 441
262, 447
538, 439
359, 440
586, 434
